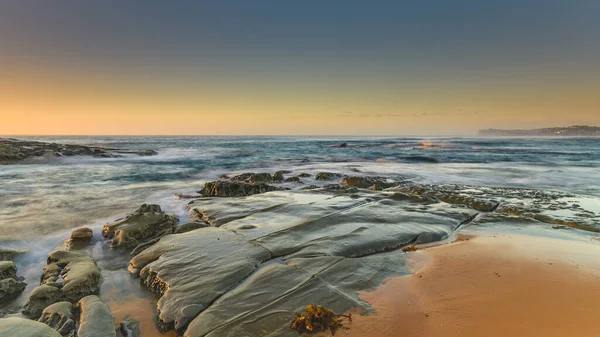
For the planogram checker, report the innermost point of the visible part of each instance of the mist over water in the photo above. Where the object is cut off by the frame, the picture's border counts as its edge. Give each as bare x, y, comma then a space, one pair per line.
43, 197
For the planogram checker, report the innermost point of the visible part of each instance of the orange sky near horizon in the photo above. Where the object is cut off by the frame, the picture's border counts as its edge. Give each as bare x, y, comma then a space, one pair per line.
110, 103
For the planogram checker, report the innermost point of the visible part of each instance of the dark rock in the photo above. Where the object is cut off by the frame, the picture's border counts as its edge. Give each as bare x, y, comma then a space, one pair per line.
292, 180
13, 150
147, 223
234, 189
257, 178
303, 175
379, 183
130, 327
327, 176
278, 176
242, 177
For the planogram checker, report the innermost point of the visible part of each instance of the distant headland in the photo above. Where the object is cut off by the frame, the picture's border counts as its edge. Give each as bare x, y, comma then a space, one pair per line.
575, 130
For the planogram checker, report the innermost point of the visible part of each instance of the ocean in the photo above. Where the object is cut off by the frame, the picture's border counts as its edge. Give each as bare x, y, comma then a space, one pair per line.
76, 191
43, 200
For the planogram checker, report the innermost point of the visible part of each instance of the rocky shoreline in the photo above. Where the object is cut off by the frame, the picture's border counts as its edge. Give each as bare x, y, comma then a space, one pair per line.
13, 151
263, 246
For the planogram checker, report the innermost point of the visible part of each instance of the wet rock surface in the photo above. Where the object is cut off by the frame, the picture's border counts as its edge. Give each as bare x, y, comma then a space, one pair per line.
68, 276
95, 319
322, 243
22, 327
59, 316
146, 223
226, 259
277, 246
14, 151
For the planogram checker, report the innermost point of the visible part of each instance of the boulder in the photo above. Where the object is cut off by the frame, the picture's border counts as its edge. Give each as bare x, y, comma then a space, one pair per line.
143, 225
82, 234
41, 297
21, 327
95, 319
10, 288
327, 176
303, 175
129, 327
68, 276
234, 189
278, 176
59, 316
8, 269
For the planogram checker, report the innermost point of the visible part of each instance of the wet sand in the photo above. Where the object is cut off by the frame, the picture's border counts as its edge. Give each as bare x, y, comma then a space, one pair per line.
490, 285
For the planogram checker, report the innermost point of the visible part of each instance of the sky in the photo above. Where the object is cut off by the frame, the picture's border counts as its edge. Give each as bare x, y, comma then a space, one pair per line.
296, 68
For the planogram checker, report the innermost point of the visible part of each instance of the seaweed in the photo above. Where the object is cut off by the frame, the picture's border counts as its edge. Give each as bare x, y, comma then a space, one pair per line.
409, 248
317, 318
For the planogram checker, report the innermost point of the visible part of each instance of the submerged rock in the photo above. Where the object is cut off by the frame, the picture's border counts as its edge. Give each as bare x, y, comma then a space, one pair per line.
292, 180
303, 175
68, 276
234, 189
373, 183
143, 225
95, 318
59, 316
327, 176
21, 327
279, 175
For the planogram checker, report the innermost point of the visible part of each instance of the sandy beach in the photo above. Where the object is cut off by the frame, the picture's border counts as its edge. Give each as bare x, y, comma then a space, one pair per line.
490, 285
